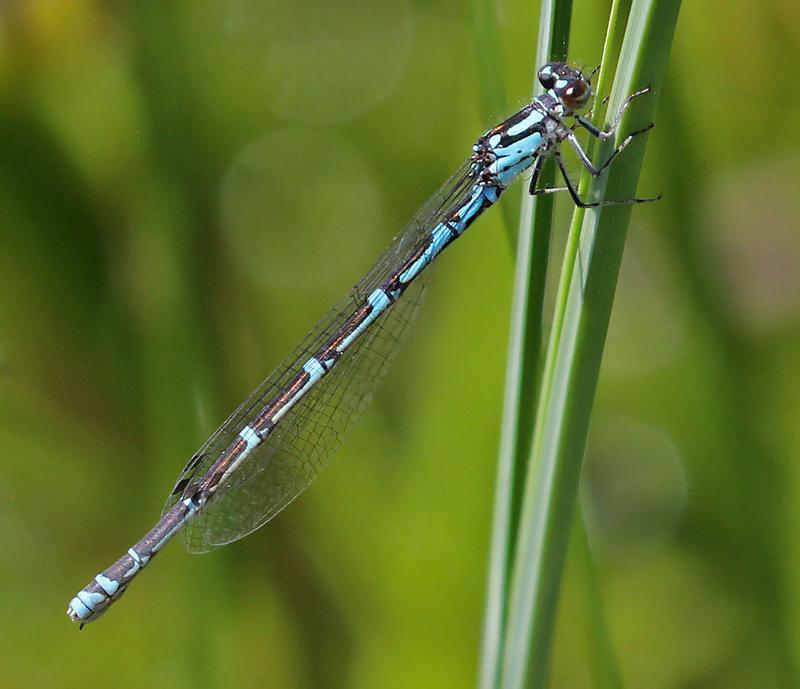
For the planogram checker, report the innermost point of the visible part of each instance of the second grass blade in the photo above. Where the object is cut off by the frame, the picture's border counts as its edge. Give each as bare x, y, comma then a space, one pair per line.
522, 374
584, 305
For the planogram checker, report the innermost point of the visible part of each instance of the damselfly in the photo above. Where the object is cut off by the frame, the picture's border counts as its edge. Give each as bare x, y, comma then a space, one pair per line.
277, 441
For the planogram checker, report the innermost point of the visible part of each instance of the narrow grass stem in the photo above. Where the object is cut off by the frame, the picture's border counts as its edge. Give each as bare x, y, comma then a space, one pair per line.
523, 370
584, 299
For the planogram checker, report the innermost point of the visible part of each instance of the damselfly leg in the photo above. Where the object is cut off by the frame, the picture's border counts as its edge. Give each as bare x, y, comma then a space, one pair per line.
573, 192
586, 161
537, 170
594, 170
601, 134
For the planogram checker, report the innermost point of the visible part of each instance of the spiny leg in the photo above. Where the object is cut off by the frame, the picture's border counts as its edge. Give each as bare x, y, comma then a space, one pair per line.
570, 187
603, 135
537, 170
586, 161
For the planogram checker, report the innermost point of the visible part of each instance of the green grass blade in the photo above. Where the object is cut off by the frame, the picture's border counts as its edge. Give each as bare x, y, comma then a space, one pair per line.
603, 664
602, 661
522, 373
585, 298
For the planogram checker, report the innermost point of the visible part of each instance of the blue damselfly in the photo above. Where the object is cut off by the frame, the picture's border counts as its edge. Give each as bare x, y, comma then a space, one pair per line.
277, 441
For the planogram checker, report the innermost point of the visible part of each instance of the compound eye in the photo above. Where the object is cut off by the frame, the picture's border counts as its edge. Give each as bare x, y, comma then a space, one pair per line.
574, 91
575, 94
547, 78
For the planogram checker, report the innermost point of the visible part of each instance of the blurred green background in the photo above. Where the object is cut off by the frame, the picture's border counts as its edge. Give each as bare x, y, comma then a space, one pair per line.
185, 187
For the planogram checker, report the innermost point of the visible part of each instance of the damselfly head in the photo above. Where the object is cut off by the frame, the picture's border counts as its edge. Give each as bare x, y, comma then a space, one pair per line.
570, 85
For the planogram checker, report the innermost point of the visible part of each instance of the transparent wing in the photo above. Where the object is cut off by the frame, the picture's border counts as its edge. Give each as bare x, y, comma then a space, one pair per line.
297, 449
310, 434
